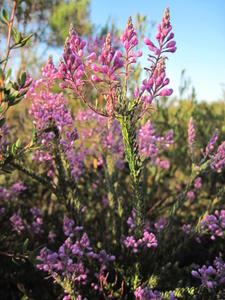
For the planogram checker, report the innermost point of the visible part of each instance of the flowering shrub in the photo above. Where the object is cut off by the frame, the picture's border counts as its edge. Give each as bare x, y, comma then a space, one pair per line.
92, 204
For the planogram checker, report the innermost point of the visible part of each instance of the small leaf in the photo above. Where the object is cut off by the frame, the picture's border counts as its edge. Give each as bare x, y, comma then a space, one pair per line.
14, 149
15, 86
11, 103
2, 61
5, 14
18, 143
23, 79
26, 39
3, 21
2, 122
16, 35
25, 245
8, 74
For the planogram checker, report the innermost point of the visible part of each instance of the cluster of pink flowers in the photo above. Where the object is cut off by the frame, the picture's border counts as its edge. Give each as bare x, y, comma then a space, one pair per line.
211, 144
71, 259
146, 241
214, 224
191, 134
160, 224
17, 223
101, 139
197, 185
8, 196
12, 192
151, 144
156, 81
71, 68
211, 276
218, 160
35, 228
146, 293
110, 69
48, 108
37, 221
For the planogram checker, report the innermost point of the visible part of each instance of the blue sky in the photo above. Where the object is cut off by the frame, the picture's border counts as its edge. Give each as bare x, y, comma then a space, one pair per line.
199, 27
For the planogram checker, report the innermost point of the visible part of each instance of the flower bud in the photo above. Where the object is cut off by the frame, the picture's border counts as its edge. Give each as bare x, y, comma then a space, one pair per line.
95, 78
166, 92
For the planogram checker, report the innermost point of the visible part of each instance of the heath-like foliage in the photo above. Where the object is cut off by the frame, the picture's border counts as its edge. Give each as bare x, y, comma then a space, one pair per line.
96, 203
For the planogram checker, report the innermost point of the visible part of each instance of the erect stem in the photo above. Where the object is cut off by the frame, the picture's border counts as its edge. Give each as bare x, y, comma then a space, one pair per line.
10, 25
135, 165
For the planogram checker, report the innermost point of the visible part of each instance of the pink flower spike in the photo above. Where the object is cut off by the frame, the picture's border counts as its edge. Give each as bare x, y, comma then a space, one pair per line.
136, 92
191, 134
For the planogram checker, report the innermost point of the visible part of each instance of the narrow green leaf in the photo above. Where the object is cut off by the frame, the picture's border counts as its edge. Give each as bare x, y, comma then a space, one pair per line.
18, 143
8, 74
5, 14
14, 149
26, 39
2, 61
25, 245
3, 21
2, 122
16, 35
23, 79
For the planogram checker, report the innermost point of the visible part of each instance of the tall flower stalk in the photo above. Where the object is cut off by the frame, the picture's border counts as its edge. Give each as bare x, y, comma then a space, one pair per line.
108, 74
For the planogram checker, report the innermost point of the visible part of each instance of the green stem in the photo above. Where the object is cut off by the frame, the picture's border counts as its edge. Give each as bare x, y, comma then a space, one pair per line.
135, 165
34, 176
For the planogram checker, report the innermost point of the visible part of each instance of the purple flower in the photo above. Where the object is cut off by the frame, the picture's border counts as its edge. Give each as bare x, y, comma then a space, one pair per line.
211, 276
191, 134
37, 220
17, 188
68, 226
147, 294
160, 224
162, 163
2, 211
190, 195
149, 239
17, 223
187, 228
51, 236
214, 224
211, 144
151, 144
154, 85
198, 183
218, 160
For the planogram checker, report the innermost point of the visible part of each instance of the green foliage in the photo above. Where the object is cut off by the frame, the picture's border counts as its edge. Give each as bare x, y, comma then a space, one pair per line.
75, 12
